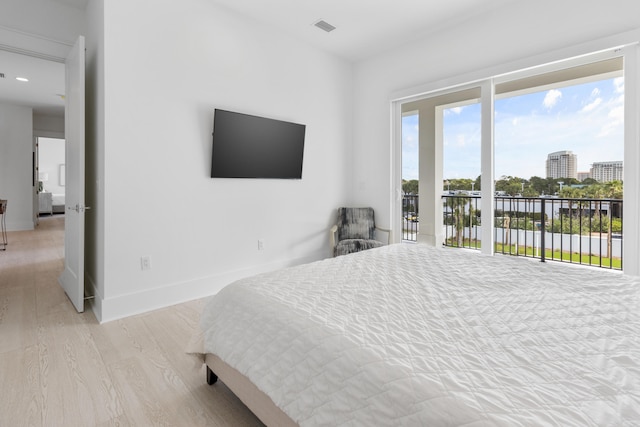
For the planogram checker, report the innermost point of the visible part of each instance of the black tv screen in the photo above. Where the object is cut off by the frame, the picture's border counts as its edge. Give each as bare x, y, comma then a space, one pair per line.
246, 146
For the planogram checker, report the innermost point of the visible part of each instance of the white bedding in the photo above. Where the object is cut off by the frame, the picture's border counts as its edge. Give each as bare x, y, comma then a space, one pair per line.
419, 336
58, 199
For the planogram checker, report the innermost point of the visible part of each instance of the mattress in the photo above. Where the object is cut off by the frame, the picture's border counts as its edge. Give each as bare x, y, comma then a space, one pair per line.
58, 199
58, 202
409, 335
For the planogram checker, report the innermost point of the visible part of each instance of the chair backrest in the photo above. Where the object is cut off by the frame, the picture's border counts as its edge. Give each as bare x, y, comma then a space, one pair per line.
3, 206
356, 223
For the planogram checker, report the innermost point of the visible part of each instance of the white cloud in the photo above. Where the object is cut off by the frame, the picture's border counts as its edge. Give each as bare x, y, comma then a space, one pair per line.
617, 114
591, 125
551, 98
592, 105
616, 120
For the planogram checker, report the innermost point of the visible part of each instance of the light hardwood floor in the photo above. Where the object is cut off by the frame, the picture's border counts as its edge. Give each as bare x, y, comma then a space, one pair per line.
61, 368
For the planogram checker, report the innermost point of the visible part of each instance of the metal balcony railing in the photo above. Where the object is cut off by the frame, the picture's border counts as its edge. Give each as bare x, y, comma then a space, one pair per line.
410, 217
580, 231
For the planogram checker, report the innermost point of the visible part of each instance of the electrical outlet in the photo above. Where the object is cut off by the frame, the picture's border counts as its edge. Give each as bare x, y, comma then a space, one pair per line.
145, 262
260, 244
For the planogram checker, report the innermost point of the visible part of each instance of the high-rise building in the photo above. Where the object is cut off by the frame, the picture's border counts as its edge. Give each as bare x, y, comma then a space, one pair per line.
562, 164
607, 171
583, 175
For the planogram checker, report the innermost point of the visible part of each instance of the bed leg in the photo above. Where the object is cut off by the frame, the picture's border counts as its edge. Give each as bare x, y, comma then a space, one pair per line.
211, 377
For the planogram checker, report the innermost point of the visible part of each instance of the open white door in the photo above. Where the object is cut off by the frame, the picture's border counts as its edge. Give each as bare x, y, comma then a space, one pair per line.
72, 278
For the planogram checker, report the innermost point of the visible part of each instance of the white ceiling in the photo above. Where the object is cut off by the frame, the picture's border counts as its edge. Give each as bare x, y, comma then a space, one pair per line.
363, 28
43, 90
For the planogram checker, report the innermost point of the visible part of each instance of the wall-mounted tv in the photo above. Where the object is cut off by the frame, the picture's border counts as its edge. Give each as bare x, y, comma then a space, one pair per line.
246, 146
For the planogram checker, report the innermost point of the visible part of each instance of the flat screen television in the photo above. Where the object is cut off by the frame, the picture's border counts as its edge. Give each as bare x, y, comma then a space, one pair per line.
246, 146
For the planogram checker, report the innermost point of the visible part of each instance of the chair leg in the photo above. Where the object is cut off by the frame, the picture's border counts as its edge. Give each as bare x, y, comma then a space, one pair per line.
3, 226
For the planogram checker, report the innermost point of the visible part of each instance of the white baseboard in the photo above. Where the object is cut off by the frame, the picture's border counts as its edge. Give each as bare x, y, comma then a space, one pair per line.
114, 308
20, 225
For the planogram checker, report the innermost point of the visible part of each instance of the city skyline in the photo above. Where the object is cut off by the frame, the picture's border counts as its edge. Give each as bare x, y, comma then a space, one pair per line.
587, 119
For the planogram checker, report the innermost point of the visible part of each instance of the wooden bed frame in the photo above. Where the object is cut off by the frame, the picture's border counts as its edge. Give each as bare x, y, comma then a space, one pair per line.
257, 401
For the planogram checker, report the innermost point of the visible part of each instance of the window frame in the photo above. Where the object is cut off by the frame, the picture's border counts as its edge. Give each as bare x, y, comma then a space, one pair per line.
598, 65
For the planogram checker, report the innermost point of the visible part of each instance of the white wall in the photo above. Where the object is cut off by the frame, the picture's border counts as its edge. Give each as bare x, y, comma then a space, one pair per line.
166, 68
94, 151
499, 41
43, 26
155, 74
16, 181
48, 125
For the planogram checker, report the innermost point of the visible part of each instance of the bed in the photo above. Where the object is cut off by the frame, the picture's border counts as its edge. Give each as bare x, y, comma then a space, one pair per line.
58, 202
408, 335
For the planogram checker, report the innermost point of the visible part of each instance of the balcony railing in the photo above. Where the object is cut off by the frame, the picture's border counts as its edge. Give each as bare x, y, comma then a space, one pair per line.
580, 231
410, 219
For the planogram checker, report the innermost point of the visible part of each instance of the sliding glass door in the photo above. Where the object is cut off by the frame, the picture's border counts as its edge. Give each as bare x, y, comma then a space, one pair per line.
454, 167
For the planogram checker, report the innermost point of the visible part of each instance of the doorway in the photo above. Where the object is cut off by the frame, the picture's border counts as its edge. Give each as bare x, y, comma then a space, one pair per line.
51, 172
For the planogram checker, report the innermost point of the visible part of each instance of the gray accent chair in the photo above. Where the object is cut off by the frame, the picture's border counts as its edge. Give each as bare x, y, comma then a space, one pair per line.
355, 231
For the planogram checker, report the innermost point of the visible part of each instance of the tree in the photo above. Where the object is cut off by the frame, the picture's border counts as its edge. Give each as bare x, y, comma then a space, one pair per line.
478, 185
538, 184
511, 185
545, 185
457, 205
572, 193
410, 186
613, 189
569, 181
458, 184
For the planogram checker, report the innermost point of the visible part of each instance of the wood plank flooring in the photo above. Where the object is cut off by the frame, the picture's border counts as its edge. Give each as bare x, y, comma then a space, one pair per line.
61, 368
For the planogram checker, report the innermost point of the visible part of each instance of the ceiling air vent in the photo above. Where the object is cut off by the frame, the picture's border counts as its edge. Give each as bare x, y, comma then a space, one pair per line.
325, 26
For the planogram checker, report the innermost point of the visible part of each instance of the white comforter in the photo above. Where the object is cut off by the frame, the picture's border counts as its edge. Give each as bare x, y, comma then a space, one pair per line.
417, 336
58, 199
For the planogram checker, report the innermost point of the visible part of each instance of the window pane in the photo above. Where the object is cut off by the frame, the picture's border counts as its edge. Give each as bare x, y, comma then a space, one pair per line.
461, 140
562, 133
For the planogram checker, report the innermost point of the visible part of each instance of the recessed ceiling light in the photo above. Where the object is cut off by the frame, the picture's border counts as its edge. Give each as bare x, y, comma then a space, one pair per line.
324, 25
22, 79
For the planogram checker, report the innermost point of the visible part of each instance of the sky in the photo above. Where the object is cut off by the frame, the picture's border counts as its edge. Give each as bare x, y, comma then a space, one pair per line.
587, 119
